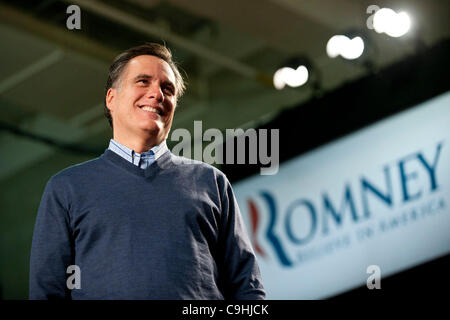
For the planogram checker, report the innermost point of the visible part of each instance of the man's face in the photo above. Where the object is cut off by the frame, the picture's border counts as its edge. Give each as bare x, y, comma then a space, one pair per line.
143, 103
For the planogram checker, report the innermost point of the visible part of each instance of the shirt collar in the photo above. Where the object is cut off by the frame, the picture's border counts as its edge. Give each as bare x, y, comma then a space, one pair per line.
158, 150
131, 155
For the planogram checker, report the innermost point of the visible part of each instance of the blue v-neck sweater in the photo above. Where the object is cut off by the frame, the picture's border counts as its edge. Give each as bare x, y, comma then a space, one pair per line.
171, 231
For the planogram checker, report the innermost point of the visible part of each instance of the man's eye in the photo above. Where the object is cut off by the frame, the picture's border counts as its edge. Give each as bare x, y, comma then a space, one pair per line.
143, 81
169, 90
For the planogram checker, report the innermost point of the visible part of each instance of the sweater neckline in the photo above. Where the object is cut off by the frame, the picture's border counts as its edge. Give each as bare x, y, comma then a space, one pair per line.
163, 162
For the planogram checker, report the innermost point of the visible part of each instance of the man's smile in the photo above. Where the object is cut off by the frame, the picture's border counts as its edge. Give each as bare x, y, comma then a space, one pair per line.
148, 108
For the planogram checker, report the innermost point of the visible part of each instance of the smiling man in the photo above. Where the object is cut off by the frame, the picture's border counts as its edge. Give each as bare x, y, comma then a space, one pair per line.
137, 222
143, 101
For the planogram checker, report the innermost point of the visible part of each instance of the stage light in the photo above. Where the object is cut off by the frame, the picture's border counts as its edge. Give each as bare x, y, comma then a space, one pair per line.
349, 49
393, 24
289, 76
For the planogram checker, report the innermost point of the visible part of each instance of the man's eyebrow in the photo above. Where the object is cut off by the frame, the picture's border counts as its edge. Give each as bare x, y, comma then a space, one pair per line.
146, 76
142, 76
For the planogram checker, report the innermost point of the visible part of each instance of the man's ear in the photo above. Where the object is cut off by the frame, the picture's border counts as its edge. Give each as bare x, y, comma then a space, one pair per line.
110, 95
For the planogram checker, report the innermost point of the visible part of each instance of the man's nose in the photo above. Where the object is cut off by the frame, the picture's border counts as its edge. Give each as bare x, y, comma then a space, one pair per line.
155, 92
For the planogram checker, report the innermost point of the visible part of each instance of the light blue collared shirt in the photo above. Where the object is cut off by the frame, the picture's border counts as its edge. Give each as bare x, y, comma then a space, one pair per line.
142, 160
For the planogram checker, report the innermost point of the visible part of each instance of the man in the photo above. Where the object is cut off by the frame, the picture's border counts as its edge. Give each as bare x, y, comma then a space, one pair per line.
138, 222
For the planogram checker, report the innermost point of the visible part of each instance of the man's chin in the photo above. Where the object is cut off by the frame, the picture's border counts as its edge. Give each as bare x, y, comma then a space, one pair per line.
150, 129
154, 129
150, 125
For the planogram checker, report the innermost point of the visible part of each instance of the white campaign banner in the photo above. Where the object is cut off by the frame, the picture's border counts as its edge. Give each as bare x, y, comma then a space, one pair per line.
375, 200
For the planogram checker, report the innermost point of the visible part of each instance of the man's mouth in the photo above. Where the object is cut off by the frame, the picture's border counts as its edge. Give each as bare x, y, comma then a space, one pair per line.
152, 109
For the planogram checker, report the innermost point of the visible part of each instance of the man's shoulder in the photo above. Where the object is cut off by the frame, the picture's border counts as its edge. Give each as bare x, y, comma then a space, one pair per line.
79, 170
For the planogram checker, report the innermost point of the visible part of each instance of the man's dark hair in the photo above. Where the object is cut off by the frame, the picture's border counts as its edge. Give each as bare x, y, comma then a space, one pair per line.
120, 62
